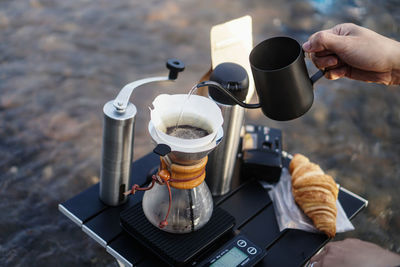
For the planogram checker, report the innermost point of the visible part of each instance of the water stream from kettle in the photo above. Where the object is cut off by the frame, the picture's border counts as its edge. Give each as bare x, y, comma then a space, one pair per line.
194, 88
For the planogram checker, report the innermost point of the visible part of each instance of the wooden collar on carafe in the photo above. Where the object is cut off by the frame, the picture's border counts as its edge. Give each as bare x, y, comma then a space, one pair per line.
185, 176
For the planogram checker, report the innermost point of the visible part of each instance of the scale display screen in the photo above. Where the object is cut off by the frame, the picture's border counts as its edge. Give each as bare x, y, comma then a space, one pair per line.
232, 258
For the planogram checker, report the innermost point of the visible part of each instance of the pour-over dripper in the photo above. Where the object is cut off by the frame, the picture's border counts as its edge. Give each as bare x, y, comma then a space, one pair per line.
196, 111
185, 155
203, 113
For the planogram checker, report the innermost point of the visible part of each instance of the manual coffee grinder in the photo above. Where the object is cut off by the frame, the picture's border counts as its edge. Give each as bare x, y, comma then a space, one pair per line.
117, 148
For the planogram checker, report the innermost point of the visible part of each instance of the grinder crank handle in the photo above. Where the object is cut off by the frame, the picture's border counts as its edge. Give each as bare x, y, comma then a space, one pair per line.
121, 101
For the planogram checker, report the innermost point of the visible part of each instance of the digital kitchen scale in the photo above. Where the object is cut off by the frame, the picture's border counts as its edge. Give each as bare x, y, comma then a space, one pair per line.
187, 249
175, 249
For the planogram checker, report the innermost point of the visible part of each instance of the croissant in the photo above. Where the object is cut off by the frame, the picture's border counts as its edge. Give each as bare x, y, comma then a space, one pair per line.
315, 192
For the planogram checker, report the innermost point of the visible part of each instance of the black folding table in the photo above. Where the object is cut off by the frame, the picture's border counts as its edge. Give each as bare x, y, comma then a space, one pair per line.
248, 203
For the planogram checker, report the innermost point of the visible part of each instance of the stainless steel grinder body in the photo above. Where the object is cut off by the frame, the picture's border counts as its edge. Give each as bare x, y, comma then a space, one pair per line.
118, 128
222, 160
117, 153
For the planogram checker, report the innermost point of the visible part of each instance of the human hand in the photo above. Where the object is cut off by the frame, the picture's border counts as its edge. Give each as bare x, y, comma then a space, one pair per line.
348, 50
354, 252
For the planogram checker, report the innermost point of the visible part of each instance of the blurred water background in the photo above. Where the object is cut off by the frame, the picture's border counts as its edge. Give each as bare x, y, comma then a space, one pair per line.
60, 61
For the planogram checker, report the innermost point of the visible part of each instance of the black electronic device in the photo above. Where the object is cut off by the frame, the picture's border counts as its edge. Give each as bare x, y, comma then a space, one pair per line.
262, 153
239, 251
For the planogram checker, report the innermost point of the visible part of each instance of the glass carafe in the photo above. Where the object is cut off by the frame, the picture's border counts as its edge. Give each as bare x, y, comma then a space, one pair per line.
190, 209
180, 201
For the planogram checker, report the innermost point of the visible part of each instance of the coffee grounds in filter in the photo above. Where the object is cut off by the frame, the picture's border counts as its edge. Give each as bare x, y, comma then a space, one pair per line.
187, 132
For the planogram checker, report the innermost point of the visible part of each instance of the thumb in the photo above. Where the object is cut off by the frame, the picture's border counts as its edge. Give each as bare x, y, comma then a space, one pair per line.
324, 40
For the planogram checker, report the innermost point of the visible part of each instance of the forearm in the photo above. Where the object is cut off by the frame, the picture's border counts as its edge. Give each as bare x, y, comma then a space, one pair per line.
395, 77
394, 54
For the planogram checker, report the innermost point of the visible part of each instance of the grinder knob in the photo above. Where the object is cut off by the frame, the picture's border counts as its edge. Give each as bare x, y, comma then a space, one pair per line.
174, 66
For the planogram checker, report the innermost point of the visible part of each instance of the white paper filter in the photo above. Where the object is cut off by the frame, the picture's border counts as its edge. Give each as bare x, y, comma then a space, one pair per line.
198, 111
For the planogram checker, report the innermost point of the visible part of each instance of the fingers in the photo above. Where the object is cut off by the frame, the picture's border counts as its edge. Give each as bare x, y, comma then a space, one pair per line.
324, 40
357, 74
324, 62
345, 29
337, 73
317, 260
315, 264
323, 53
368, 76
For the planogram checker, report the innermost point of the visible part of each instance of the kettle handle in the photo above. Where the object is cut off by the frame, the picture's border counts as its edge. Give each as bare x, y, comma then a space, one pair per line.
318, 75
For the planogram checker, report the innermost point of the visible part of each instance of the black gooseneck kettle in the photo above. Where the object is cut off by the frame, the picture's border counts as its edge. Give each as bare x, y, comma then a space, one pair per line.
281, 80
